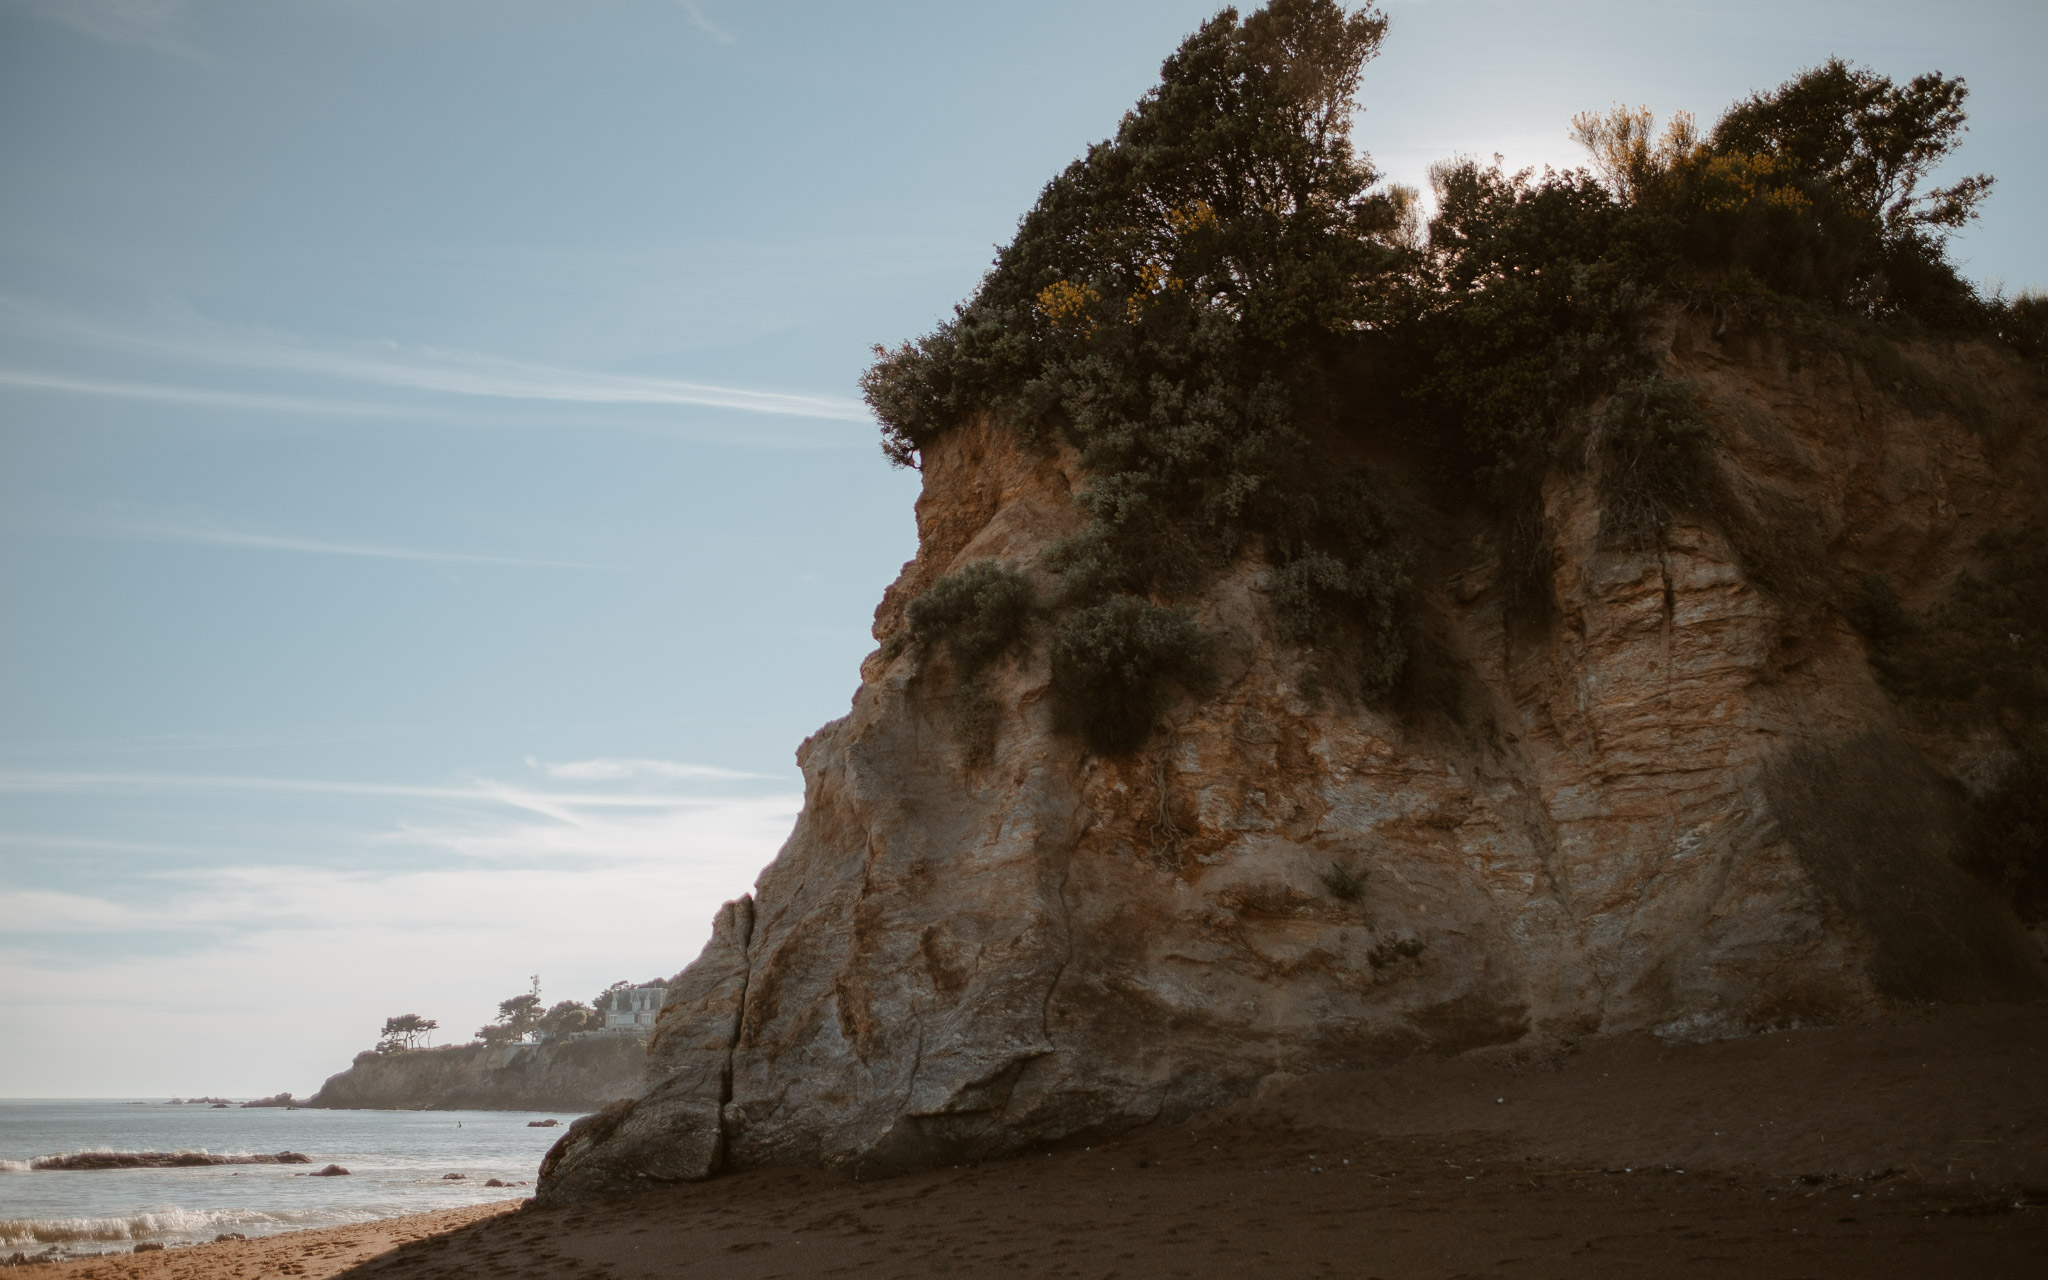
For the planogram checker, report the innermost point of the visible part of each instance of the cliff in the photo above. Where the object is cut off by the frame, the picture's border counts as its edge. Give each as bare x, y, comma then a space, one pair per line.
564, 1075
1682, 803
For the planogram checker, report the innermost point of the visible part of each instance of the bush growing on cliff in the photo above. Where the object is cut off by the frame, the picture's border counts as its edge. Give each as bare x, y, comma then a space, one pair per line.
975, 616
1222, 310
1171, 306
1651, 437
1985, 641
1112, 664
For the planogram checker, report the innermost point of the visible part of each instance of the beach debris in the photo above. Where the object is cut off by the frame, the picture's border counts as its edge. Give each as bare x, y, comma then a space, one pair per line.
77, 1160
229, 1235
331, 1171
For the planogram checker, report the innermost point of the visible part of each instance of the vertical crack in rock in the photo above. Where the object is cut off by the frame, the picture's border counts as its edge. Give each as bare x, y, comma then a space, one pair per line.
675, 1130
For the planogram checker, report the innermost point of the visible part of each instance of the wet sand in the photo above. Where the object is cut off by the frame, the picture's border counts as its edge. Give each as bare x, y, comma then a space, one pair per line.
1916, 1147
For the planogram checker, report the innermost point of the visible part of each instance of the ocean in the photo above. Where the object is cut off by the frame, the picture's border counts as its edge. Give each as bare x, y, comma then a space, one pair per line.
396, 1162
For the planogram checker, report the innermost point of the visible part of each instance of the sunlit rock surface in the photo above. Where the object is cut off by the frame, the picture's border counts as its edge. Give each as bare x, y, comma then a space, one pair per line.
1680, 803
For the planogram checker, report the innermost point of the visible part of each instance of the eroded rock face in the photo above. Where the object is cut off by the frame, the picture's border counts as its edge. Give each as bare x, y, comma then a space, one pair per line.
1682, 804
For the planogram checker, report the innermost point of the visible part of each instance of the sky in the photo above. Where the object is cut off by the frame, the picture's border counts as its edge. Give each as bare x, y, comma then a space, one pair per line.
434, 495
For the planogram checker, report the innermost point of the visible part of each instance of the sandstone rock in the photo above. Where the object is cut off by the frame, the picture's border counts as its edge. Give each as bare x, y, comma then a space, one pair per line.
1681, 804
331, 1171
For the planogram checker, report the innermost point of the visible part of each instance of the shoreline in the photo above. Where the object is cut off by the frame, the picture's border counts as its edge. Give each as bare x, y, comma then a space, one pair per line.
312, 1254
1910, 1146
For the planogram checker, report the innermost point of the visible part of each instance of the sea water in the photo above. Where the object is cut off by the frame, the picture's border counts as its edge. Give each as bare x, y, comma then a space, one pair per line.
396, 1162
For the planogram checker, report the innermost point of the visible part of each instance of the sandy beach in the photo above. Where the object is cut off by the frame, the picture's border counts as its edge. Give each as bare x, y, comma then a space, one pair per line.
1916, 1146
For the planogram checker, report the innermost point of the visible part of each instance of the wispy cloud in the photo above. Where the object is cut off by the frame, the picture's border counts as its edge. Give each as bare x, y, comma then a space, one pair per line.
393, 365
203, 397
703, 23
617, 769
479, 790
207, 534
263, 973
152, 24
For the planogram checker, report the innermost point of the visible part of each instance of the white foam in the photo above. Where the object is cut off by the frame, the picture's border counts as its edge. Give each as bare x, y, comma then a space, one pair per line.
162, 1224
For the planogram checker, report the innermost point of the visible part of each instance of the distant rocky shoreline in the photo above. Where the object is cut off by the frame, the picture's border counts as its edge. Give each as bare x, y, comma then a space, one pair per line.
565, 1075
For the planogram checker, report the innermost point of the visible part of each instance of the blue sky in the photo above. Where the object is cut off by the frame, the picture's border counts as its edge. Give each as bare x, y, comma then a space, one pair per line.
434, 500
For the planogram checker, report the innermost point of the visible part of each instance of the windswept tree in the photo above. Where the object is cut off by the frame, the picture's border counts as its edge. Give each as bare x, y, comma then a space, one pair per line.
516, 1018
404, 1032
1819, 187
1175, 307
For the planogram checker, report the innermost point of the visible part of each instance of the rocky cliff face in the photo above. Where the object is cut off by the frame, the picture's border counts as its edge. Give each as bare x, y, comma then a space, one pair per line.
1681, 803
568, 1075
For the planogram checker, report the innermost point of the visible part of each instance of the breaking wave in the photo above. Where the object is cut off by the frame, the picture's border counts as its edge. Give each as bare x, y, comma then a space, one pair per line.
186, 1158
164, 1225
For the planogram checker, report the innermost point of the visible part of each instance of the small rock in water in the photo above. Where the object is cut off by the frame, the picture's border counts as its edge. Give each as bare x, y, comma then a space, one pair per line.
331, 1171
493, 1182
453, 1177
542, 1124
149, 1246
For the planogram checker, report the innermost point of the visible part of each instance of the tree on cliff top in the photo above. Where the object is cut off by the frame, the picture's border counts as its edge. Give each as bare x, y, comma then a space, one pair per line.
404, 1032
516, 1017
1221, 312
567, 1017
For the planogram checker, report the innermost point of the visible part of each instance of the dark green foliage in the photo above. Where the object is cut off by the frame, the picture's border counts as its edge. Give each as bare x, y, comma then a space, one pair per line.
1537, 309
1228, 217
1650, 437
1217, 302
566, 1018
2022, 324
1112, 664
1871, 141
2007, 837
1813, 189
1985, 642
976, 615
404, 1032
1342, 568
1169, 306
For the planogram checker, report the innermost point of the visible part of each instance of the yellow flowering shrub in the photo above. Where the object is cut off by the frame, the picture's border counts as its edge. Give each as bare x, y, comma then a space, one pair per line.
1064, 301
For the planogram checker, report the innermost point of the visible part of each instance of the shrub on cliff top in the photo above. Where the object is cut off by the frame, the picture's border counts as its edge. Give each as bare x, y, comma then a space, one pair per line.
1169, 306
1220, 300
